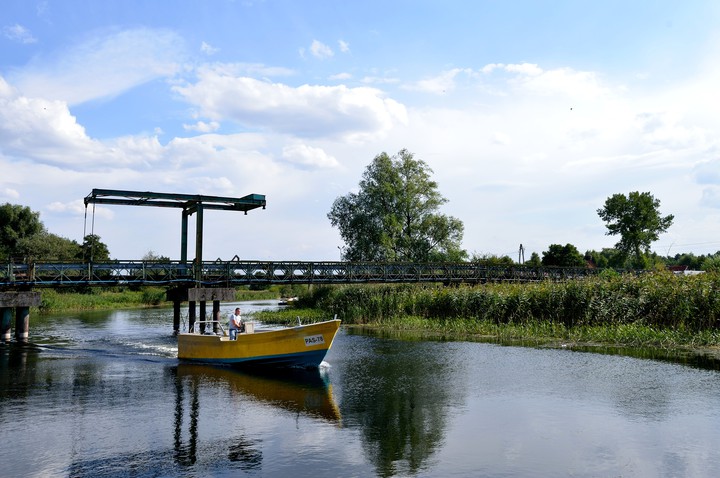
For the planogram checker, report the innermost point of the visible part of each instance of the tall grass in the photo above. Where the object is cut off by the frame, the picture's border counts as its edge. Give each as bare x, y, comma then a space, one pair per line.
657, 300
55, 301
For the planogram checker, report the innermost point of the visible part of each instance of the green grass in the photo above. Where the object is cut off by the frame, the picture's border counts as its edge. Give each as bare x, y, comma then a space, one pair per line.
53, 301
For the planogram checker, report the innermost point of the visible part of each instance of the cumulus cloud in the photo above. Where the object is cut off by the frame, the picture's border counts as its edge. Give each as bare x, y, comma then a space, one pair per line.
304, 155
306, 110
18, 33
44, 130
344, 46
104, 66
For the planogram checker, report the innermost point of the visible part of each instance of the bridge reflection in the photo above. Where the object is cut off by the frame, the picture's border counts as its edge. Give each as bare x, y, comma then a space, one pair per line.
237, 273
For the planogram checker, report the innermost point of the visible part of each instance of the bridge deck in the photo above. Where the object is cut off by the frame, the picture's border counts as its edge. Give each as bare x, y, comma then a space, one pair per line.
237, 273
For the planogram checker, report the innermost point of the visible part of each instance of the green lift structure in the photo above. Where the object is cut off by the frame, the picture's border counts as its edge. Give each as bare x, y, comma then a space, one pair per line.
189, 204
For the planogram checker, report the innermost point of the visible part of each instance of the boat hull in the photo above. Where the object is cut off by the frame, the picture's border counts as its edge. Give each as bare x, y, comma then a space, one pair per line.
303, 346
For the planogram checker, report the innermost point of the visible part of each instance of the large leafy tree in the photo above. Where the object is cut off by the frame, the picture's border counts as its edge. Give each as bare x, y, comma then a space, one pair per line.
563, 256
16, 223
93, 249
45, 246
636, 218
394, 216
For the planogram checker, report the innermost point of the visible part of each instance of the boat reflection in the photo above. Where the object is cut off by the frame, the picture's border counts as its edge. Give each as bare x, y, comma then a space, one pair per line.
301, 391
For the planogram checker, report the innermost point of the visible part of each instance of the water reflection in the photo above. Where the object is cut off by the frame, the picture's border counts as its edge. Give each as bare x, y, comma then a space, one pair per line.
302, 392
397, 394
306, 392
707, 359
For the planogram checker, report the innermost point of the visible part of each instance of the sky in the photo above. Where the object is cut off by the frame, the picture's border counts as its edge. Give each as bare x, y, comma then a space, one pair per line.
530, 114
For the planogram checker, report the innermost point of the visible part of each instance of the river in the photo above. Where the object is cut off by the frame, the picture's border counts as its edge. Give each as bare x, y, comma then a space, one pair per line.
102, 394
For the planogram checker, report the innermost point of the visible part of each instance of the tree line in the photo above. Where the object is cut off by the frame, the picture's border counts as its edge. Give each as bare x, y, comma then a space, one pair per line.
24, 238
395, 216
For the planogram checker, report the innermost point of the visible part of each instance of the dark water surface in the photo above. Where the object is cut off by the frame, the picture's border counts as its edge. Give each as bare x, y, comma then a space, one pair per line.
102, 394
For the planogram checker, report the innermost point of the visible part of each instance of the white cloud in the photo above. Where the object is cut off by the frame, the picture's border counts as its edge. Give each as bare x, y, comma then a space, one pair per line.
306, 111
305, 155
344, 46
9, 193
18, 33
320, 50
77, 208
380, 80
439, 84
340, 77
208, 49
103, 66
44, 130
202, 126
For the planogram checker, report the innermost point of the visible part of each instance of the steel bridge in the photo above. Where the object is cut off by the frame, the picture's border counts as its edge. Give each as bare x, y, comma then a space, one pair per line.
20, 276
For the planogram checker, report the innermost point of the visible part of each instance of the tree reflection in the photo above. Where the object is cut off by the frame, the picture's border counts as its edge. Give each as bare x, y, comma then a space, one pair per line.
397, 393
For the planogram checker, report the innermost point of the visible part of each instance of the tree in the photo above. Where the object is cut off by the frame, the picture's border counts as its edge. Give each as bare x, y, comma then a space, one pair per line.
93, 249
45, 246
152, 256
16, 223
394, 216
563, 256
492, 260
534, 260
636, 218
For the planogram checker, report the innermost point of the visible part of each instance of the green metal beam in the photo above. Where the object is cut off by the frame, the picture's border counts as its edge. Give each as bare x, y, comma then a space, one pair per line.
189, 203
184, 201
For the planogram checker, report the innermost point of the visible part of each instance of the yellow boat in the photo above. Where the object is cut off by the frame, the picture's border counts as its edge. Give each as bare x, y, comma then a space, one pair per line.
302, 346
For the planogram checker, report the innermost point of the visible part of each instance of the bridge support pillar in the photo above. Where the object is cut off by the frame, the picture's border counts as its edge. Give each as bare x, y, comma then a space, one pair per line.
22, 324
192, 315
203, 315
176, 317
5, 323
21, 301
200, 295
216, 315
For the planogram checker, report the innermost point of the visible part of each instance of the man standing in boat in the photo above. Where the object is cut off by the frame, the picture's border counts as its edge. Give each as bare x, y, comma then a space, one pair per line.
235, 324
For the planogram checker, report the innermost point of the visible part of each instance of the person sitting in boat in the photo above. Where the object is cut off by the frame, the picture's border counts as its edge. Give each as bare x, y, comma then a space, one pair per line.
236, 324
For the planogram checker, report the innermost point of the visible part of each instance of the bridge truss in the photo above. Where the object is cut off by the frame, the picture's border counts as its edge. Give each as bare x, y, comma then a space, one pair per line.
240, 273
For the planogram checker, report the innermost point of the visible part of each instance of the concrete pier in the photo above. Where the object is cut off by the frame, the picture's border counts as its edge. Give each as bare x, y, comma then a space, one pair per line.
20, 301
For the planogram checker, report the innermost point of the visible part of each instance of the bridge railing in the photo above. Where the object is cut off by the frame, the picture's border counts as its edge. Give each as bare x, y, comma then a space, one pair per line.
236, 273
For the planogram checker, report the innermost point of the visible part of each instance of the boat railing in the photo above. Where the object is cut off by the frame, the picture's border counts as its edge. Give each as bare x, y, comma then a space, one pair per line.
191, 328
249, 327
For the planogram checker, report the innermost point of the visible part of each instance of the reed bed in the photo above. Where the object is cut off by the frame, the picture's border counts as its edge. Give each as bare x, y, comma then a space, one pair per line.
650, 309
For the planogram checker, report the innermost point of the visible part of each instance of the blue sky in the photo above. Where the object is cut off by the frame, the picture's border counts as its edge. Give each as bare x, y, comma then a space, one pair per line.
530, 114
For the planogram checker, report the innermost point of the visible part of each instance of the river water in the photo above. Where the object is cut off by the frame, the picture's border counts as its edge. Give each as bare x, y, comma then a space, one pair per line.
102, 394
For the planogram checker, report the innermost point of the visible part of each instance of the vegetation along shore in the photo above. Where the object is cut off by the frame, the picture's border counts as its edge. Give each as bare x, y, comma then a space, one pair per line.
654, 309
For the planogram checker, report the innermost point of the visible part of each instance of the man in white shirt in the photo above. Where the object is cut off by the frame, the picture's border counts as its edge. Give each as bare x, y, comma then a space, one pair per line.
235, 324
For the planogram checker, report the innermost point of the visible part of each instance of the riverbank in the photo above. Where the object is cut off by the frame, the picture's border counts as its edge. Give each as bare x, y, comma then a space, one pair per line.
54, 301
656, 309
